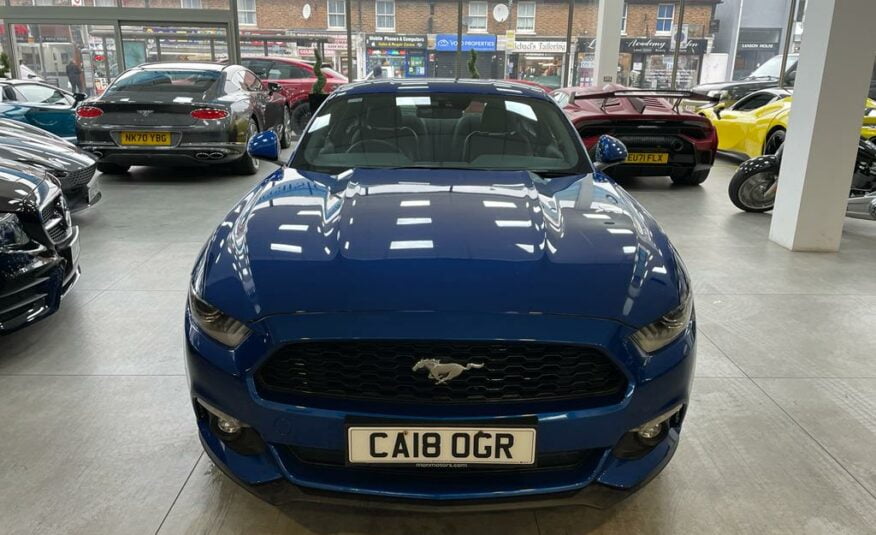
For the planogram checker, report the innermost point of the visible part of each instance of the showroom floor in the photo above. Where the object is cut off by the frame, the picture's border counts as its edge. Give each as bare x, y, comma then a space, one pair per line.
100, 436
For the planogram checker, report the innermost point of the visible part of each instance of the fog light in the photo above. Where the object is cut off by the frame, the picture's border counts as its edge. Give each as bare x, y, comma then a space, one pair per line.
230, 427
650, 431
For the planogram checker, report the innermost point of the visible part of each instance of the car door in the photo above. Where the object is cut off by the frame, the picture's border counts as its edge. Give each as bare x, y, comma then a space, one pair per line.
270, 113
49, 108
737, 121
297, 80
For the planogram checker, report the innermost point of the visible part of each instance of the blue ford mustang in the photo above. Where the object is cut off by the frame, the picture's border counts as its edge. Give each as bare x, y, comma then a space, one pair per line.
440, 300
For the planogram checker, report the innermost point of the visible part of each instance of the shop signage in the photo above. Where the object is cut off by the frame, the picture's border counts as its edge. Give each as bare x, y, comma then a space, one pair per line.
586, 45
446, 42
759, 46
651, 45
396, 41
540, 46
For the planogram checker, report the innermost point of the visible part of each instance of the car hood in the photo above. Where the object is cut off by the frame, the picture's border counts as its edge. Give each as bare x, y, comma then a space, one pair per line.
19, 184
439, 240
41, 149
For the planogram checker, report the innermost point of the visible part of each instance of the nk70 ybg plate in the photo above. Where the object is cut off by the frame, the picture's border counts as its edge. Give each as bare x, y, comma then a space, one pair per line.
441, 445
145, 138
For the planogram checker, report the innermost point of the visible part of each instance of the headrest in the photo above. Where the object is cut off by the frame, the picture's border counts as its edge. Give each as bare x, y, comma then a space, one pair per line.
494, 119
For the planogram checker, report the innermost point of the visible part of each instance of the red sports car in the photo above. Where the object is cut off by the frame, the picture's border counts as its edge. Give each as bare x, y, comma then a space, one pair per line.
661, 139
296, 77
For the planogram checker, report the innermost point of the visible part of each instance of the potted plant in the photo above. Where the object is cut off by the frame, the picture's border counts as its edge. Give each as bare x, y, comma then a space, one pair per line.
316, 96
473, 65
5, 66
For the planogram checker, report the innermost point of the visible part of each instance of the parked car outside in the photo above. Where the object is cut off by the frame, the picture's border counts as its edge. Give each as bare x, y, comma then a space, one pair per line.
764, 77
165, 114
296, 77
39, 246
73, 168
440, 300
41, 105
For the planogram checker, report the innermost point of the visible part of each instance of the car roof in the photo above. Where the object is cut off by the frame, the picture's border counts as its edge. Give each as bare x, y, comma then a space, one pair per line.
192, 65
281, 59
408, 86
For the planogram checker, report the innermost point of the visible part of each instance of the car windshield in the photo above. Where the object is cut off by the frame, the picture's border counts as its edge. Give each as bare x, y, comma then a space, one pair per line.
165, 81
452, 130
771, 68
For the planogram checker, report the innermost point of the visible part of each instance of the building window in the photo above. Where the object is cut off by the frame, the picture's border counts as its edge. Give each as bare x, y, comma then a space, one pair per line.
191, 4
624, 20
477, 16
385, 10
526, 17
665, 12
337, 14
246, 12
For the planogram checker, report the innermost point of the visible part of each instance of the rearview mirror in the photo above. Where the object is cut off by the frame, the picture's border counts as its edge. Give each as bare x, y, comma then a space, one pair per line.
265, 146
610, 151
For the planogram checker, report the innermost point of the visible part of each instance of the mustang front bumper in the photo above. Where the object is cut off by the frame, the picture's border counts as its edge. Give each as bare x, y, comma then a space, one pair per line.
297, 451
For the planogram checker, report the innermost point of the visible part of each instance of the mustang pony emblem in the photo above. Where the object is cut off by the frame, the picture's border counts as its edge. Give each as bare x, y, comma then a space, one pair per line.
443, 372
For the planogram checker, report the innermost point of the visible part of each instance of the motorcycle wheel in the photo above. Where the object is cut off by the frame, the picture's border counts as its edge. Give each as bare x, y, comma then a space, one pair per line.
752, 188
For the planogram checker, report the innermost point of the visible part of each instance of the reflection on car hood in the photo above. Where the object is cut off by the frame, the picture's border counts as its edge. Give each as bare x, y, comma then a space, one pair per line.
31, 145
20, 183
439, 240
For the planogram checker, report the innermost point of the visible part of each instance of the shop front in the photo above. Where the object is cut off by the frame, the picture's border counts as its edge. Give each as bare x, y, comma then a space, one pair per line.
646, 62
585, 52
397, 55
442, 55
756, 45
538, 61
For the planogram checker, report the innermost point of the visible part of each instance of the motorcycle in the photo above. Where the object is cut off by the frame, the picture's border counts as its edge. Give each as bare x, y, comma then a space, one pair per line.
753, 186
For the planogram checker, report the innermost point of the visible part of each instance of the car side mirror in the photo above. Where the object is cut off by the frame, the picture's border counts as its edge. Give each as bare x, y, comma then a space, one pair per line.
79, 97
717, 108
790, 77
274, 87
265, 146
610, 151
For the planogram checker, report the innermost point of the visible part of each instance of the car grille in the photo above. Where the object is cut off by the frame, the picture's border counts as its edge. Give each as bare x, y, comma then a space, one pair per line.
72, 179
378, 370
55, 220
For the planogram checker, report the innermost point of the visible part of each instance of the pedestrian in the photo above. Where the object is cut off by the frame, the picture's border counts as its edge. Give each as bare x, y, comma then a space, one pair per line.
74, 75
377, 71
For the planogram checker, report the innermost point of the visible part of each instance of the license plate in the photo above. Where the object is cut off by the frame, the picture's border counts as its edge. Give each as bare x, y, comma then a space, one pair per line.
648, 157
441, 445
145, 138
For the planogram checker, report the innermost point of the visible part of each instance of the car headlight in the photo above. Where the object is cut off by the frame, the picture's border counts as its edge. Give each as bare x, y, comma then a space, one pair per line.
215, 323
669, 326
11, 231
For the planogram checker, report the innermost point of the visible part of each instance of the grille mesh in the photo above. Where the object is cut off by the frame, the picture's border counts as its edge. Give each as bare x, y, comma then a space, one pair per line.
512, 371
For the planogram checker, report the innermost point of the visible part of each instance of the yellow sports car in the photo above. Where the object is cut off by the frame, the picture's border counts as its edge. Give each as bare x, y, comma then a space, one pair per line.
756, 124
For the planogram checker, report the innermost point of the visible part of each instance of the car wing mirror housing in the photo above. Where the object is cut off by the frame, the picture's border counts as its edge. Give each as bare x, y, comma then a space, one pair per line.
274, 87
610, 151
79, 97
265, 146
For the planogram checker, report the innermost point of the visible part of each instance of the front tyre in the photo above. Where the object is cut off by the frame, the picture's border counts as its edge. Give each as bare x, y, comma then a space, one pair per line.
288, 129
753, 186
776, 140
246, 164
691, 178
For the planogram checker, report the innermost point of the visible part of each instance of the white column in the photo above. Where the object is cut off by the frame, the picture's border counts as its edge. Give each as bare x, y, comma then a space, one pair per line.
608, 35
833, 75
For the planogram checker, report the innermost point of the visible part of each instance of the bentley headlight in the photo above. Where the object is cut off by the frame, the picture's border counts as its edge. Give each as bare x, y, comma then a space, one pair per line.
669, 326
215, 323
11, 231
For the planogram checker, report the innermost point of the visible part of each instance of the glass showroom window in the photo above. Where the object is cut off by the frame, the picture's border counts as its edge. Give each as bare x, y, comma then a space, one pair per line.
526, 17
665, 12
246, 12
193, 4
385, 10
477, 16
337, 15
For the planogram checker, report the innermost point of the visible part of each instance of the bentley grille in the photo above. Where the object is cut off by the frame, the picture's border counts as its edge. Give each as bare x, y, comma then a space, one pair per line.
383, 371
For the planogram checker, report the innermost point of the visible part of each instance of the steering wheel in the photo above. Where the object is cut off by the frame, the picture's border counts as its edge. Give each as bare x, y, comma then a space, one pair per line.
374, 141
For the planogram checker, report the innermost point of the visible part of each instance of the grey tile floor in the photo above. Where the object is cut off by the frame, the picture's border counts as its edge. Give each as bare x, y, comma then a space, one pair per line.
98, 437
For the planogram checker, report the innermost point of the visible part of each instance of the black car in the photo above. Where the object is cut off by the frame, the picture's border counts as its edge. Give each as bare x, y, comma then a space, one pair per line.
73, 167
39, 246
166, 114
765, 76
